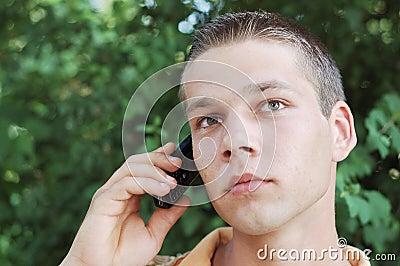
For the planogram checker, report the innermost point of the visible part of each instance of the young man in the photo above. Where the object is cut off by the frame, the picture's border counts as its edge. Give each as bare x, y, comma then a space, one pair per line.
287, 205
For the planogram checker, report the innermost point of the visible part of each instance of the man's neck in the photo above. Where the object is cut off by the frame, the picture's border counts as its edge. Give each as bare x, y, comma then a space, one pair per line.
314, 229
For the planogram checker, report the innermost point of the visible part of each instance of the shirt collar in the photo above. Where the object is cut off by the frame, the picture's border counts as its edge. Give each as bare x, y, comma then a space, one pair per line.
204, 251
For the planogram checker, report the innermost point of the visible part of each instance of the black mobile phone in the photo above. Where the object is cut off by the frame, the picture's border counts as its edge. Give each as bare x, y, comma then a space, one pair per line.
184, 176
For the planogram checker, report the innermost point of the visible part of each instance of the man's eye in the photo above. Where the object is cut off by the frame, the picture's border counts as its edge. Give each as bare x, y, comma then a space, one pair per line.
208, 121
273, 105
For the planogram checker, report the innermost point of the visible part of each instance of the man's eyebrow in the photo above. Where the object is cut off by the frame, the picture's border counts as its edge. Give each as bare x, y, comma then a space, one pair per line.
268, 85
199, 103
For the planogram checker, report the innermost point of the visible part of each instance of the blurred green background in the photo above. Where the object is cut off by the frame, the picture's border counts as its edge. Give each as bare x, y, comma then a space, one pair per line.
69, 68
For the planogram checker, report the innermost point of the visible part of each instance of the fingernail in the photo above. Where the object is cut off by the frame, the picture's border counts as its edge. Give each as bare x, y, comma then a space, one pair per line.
170, 178
175, 159
165, 144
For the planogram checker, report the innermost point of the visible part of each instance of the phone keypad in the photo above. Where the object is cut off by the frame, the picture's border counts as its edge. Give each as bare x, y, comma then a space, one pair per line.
184, 175
184, 179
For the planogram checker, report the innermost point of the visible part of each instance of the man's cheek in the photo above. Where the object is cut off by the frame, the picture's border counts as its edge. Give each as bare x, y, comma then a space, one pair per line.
204, 152
208, 177
203, 164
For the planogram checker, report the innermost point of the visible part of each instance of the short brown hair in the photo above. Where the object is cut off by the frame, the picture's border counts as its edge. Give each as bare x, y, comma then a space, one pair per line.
315, 61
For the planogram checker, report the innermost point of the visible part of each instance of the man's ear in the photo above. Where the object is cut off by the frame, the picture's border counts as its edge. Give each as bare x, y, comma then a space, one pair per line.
343, 131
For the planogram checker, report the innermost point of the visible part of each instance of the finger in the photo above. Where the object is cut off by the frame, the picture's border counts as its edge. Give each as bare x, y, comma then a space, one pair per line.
160, 160
167, 148
132, 206
113, 200
151, 171
147, 186
163, 219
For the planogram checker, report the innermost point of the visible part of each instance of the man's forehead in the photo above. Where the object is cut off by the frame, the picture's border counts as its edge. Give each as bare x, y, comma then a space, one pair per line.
212, 73
239, 73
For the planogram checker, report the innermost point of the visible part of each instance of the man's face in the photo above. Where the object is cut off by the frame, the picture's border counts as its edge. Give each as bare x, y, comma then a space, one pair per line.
275, 136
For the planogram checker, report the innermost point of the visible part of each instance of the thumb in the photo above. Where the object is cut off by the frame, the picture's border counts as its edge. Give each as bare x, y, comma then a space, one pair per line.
163, 219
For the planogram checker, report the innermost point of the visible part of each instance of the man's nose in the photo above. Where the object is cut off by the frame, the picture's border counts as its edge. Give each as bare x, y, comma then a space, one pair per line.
242, 137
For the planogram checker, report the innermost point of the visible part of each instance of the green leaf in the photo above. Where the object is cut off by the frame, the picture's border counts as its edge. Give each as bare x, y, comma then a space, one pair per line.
379, 116
358, 164
393, 102
380, 207
378, 236
383, 146
358, 207
378, 142
394, 133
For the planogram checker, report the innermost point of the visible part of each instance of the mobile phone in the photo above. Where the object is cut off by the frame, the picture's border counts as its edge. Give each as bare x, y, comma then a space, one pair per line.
184, 176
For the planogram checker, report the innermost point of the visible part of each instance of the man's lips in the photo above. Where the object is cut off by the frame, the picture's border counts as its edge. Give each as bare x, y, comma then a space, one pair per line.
247, 183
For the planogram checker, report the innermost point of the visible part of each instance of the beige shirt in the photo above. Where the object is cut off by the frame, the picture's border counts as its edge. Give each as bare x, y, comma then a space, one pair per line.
203, 253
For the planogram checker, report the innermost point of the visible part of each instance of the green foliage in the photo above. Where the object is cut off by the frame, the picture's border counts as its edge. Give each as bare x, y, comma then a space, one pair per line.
372, 211
68, 71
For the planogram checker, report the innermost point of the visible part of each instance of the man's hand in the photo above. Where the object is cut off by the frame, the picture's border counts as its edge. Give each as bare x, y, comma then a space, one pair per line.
113, 233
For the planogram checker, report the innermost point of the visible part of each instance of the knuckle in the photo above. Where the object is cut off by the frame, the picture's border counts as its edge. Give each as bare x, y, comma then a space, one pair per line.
137, 184
168, 219
130, 159
98, 193
129, 179
160, 172
156, 156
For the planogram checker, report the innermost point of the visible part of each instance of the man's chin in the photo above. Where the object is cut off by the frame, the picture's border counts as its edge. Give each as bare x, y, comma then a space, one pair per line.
248, 222
255, 229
